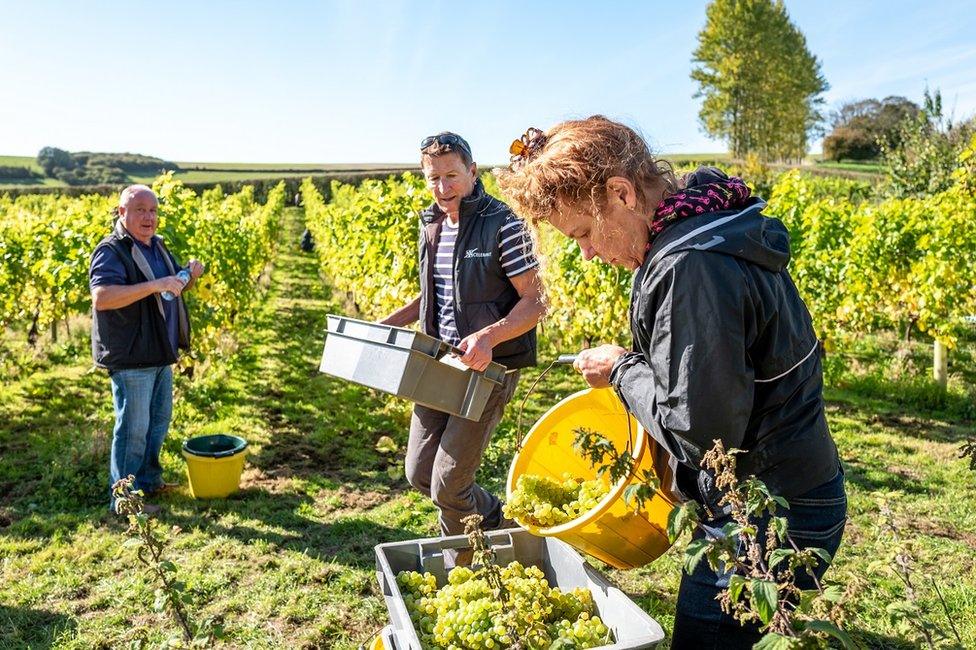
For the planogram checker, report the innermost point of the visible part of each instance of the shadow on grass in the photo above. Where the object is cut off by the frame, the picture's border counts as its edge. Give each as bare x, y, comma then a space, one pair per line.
32, 629
277, 519
873, 641
54, 445
316, 429
878, 480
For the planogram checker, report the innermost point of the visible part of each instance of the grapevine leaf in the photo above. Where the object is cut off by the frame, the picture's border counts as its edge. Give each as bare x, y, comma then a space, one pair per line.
778, 555
832, 630
833, 593
694, 553
774, 641
780, 526
682, 517
824, 555
765, 599
736, 584
807, 597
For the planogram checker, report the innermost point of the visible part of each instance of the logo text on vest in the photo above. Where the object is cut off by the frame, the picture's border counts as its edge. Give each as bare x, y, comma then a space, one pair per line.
473, 252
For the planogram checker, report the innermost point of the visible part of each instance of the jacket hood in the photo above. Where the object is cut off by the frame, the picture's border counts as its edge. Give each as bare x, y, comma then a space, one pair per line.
744, 233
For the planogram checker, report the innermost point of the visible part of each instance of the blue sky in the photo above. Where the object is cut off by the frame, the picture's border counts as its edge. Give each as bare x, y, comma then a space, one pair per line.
365, 81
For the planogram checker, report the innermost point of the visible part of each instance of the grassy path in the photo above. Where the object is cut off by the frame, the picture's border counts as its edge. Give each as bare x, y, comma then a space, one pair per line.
288, 561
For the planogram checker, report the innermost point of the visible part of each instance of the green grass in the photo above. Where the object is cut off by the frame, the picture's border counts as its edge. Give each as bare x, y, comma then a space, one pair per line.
302, 167
216, 172
288, 561
871, 167
20, 161
31, 163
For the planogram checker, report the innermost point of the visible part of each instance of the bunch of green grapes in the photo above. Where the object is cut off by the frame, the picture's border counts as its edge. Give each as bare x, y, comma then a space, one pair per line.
466, 613
585, 632
544, 502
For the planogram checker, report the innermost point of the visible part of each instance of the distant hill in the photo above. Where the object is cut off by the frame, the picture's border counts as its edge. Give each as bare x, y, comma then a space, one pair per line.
91, 168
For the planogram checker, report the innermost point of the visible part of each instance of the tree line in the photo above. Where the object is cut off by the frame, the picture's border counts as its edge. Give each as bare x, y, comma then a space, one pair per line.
762, 93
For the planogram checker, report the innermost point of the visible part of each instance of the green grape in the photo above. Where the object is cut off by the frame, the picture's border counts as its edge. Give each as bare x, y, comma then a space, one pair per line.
542, 501
466, 613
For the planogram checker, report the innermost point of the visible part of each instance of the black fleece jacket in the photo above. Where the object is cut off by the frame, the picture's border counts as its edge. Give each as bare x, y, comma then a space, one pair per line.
724, 348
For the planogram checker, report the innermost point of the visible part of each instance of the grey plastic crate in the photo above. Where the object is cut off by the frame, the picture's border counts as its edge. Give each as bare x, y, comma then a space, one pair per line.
564, 568
407, 364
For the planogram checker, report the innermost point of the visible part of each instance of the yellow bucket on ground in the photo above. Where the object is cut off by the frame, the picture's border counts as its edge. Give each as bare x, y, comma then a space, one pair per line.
214, 465
613, 531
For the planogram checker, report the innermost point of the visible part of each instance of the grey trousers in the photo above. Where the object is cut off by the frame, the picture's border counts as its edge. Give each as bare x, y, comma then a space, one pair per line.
443, 454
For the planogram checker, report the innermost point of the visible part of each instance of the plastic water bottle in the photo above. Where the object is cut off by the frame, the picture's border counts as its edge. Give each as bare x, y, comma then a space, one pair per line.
184, 277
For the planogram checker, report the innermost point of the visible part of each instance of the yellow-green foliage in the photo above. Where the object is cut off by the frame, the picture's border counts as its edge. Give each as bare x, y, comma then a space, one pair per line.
858, 265
588, 300
46, 244
895, 263
366, 239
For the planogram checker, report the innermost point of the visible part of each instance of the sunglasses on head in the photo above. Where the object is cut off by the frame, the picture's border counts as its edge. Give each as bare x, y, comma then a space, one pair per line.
446, 139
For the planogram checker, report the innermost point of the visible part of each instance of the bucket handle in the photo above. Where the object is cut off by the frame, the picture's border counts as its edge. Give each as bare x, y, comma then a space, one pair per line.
561, 360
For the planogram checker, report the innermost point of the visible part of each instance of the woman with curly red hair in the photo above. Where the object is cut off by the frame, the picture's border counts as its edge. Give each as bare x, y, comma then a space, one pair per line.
723, 345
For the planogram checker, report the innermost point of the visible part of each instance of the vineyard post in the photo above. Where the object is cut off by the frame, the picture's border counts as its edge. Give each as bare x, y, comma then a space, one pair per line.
940, 367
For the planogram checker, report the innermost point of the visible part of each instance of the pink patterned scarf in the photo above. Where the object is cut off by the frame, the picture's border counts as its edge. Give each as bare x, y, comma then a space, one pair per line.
700, 199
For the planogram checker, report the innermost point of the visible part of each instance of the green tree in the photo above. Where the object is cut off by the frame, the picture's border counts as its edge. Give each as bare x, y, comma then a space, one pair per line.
51, 159
861, 128
761, 86
922, 159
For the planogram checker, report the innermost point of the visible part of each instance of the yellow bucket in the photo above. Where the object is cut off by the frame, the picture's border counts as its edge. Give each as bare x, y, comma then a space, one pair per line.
613, 531
377, 644
214, 465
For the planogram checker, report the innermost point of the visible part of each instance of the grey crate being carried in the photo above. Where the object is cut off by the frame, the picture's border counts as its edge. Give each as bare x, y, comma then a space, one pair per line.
407, 364
564, 568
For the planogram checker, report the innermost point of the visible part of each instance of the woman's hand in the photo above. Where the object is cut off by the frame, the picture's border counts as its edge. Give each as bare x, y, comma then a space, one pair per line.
477, 349
595, 364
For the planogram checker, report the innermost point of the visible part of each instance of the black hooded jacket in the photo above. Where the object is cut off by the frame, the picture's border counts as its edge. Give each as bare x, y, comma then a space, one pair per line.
724, 348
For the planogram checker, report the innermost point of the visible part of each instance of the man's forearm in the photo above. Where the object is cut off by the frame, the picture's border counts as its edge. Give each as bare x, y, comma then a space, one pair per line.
406, 315
117, 296
524, 316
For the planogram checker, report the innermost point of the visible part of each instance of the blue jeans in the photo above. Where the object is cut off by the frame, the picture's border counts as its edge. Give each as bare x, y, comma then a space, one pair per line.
816, 519
143, 399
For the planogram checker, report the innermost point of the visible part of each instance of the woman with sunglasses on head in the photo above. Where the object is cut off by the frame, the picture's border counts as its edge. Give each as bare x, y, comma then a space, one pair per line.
479, 291
723, 345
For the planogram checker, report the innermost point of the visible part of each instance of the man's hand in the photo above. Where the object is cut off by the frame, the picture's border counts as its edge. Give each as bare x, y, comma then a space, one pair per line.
595, 364
196, 268
477, 350
170, 283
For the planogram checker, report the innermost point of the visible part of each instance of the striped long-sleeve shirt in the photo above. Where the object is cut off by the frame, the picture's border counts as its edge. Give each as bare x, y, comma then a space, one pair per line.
515, 249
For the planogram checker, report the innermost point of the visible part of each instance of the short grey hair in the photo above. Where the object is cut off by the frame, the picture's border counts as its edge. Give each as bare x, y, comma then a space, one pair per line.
131, 191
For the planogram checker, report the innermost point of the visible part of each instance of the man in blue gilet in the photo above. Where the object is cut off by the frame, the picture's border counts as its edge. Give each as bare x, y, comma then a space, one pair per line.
139, 325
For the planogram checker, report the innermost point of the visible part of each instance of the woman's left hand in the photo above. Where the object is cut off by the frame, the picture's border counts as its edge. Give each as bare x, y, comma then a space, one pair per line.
595, 364
477, 349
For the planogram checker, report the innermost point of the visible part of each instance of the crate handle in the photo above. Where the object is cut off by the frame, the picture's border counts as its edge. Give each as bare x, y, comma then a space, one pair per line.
497, 538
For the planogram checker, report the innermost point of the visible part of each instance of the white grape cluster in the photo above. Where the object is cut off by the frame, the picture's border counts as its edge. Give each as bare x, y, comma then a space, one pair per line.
544, 502
466, 613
